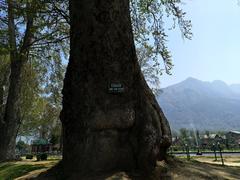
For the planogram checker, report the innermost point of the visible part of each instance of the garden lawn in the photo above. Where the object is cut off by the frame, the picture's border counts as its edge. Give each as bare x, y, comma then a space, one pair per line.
13, 170
9, 171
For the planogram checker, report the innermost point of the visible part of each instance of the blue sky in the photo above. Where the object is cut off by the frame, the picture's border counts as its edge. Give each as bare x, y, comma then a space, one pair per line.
214, 51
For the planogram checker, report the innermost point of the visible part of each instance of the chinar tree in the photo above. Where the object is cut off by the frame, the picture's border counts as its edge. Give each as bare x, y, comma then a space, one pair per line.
111, 119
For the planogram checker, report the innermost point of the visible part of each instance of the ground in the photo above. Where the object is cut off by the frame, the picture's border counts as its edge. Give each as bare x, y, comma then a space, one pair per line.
198, 168
20, 170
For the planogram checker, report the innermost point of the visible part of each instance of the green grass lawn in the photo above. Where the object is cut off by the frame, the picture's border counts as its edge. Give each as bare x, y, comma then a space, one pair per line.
9, 171
12, 170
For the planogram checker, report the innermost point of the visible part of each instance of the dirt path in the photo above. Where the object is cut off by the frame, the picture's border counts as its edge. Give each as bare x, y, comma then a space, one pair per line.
228, 160
184, 170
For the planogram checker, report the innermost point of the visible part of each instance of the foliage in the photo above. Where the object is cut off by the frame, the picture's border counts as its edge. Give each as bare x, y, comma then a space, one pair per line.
22, 147
41, 121
41, 98
184, 134
42, 76
149, 19
42, 157
49, 29
29, 156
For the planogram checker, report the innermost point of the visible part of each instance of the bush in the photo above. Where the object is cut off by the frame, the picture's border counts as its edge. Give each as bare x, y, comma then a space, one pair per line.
42, 157
29, 156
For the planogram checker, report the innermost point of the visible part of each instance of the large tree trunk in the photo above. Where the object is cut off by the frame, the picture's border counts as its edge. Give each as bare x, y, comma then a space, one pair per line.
11, 119
111, 120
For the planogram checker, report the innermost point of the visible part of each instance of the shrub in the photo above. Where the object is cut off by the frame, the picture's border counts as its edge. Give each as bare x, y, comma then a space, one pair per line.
42, 157
29, 156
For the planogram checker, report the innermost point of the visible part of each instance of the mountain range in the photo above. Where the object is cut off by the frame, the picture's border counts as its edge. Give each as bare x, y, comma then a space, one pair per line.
196, 104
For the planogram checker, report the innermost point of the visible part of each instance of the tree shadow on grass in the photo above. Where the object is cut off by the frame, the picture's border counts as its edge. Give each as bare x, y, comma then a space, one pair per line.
9, 171
4, 166
172, 168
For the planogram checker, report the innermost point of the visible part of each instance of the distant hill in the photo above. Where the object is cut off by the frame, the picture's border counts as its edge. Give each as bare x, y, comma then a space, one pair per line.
235, 88
201, 105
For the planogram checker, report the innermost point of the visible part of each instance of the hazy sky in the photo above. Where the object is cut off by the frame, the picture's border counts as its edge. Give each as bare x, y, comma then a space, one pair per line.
214, 51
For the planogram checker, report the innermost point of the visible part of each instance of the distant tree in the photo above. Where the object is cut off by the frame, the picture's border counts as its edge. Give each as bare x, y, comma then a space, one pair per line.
221, 133
41, 99
175, 133
207, 133
184, 135
22, 147
28, 29
198, 137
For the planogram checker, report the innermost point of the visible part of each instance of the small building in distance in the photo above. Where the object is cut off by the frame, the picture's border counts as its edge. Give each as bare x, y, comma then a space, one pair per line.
41, 146
207, 141
233, 139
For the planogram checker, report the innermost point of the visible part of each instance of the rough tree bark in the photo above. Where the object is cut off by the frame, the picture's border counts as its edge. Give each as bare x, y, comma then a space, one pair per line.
106, 130
3, 84
18, 57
